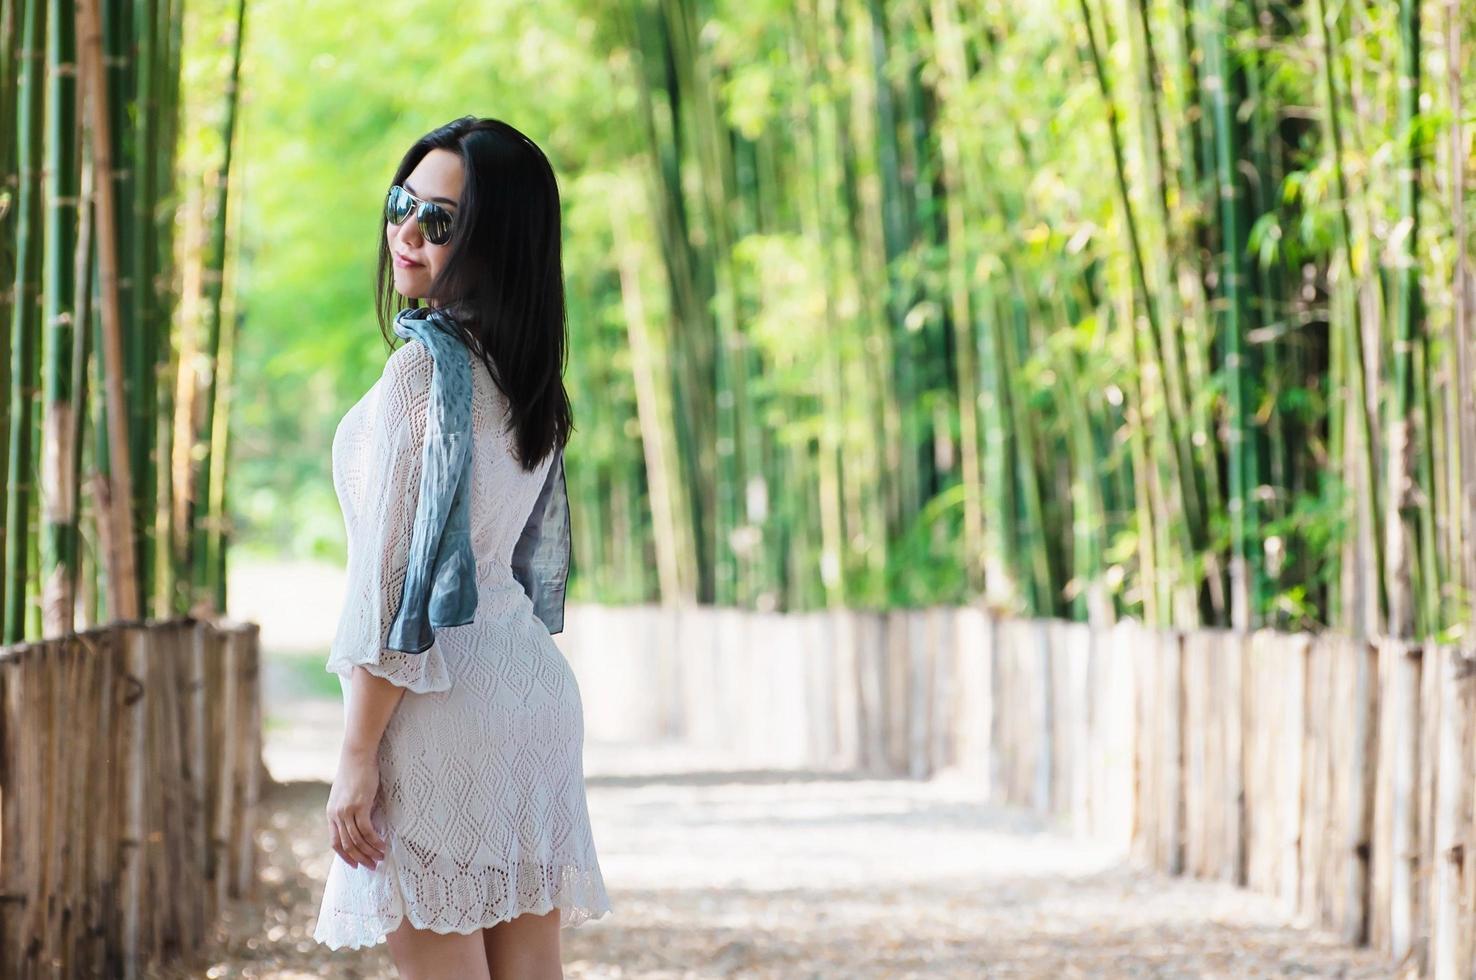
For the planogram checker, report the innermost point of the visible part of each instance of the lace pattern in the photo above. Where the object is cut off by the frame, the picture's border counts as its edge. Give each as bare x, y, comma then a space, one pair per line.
386, 446
482, 800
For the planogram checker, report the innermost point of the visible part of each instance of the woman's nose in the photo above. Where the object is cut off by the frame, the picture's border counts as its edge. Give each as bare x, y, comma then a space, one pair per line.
407, 232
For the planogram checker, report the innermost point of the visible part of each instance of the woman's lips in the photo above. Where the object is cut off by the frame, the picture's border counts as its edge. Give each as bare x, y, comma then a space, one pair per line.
404, 263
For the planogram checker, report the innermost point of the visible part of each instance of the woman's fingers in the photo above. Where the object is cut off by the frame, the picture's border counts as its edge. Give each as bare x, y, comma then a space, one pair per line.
351, 843
338, 847
369, 835
356, 845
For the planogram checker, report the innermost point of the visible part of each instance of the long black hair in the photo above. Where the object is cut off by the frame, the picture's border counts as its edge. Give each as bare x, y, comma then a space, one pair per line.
503, 280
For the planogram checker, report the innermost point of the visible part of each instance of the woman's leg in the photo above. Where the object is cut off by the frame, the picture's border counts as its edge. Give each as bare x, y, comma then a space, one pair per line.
525, 948
421, 954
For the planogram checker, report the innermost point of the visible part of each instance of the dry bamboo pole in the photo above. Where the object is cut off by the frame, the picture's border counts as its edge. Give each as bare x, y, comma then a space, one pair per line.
197, 753
1287, 674
1395, 851
1451, 950
122, 578
1319, 831
942, 686
103, 866
1232, 688
132, 754
97, 808
15, 866
226, 800
110, 852
916, 707
1427, 750
1266, 782
1212, 764
248, 761
1171, 702
1076, 645
1360, 754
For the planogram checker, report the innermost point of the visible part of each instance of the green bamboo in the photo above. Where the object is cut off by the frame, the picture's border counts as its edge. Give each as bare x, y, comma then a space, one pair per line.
25, 321
908, 379
1370, 575
1221, 81
10, 61
1401, 533
81, 571
693, 354
1461, 408
961, 312
1176, 464
59, 502
169, 562
142, 270
203, 522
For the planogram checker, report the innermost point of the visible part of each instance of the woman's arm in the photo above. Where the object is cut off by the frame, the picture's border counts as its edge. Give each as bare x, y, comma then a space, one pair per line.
367, 711
375, 677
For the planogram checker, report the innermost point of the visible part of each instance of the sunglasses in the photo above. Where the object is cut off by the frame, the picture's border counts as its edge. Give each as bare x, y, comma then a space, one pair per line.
434, 220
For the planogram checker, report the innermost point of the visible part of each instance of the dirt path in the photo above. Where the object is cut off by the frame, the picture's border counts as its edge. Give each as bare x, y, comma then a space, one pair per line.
782, 875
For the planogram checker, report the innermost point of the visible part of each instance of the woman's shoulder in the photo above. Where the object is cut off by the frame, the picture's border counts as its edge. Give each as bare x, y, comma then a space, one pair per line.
411, 365
404, 386
412, 359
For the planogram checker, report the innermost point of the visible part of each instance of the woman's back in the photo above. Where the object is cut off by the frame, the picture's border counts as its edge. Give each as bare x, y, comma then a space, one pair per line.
482, 792
502, 491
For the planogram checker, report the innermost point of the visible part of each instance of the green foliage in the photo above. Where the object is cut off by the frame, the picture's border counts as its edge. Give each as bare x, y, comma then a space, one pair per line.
957, 289
330, 107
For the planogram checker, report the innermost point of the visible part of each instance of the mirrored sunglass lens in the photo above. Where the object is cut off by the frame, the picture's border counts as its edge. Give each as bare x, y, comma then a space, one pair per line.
435, 223
397, 205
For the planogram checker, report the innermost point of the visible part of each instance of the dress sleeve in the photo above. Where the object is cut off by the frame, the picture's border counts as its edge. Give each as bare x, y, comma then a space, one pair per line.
379, 540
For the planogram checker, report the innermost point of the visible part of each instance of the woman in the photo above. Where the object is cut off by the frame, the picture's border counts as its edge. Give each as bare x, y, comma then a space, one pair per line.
458, 813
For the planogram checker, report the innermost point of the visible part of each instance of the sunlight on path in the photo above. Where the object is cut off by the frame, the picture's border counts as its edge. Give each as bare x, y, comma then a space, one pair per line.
732, 873
720, 872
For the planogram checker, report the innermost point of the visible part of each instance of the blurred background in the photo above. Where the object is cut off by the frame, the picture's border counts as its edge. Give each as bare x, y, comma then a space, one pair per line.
1020, 437
1103, 309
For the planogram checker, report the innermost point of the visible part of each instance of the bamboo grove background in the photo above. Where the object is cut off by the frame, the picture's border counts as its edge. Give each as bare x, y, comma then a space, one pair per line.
117, 327
1099, 308
1095, 309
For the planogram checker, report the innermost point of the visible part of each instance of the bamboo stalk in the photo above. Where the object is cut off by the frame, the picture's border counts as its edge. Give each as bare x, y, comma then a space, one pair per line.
59, 472
10, 63
1401, 535
122, 579
1153, 363
205, 521
25, 323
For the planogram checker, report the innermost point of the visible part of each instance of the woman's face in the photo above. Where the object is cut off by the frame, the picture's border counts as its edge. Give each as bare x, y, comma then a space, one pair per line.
416, 262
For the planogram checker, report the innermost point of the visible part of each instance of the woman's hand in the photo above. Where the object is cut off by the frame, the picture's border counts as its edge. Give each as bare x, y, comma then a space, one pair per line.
350, 803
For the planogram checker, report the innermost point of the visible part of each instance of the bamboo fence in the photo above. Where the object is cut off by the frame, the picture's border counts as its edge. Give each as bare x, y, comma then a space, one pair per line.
1333, 774
130, 768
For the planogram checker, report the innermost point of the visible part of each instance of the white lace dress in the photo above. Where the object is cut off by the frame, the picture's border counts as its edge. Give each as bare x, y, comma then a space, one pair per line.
482, 798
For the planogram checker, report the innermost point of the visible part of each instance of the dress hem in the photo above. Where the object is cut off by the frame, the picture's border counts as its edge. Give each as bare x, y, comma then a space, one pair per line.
583, 914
